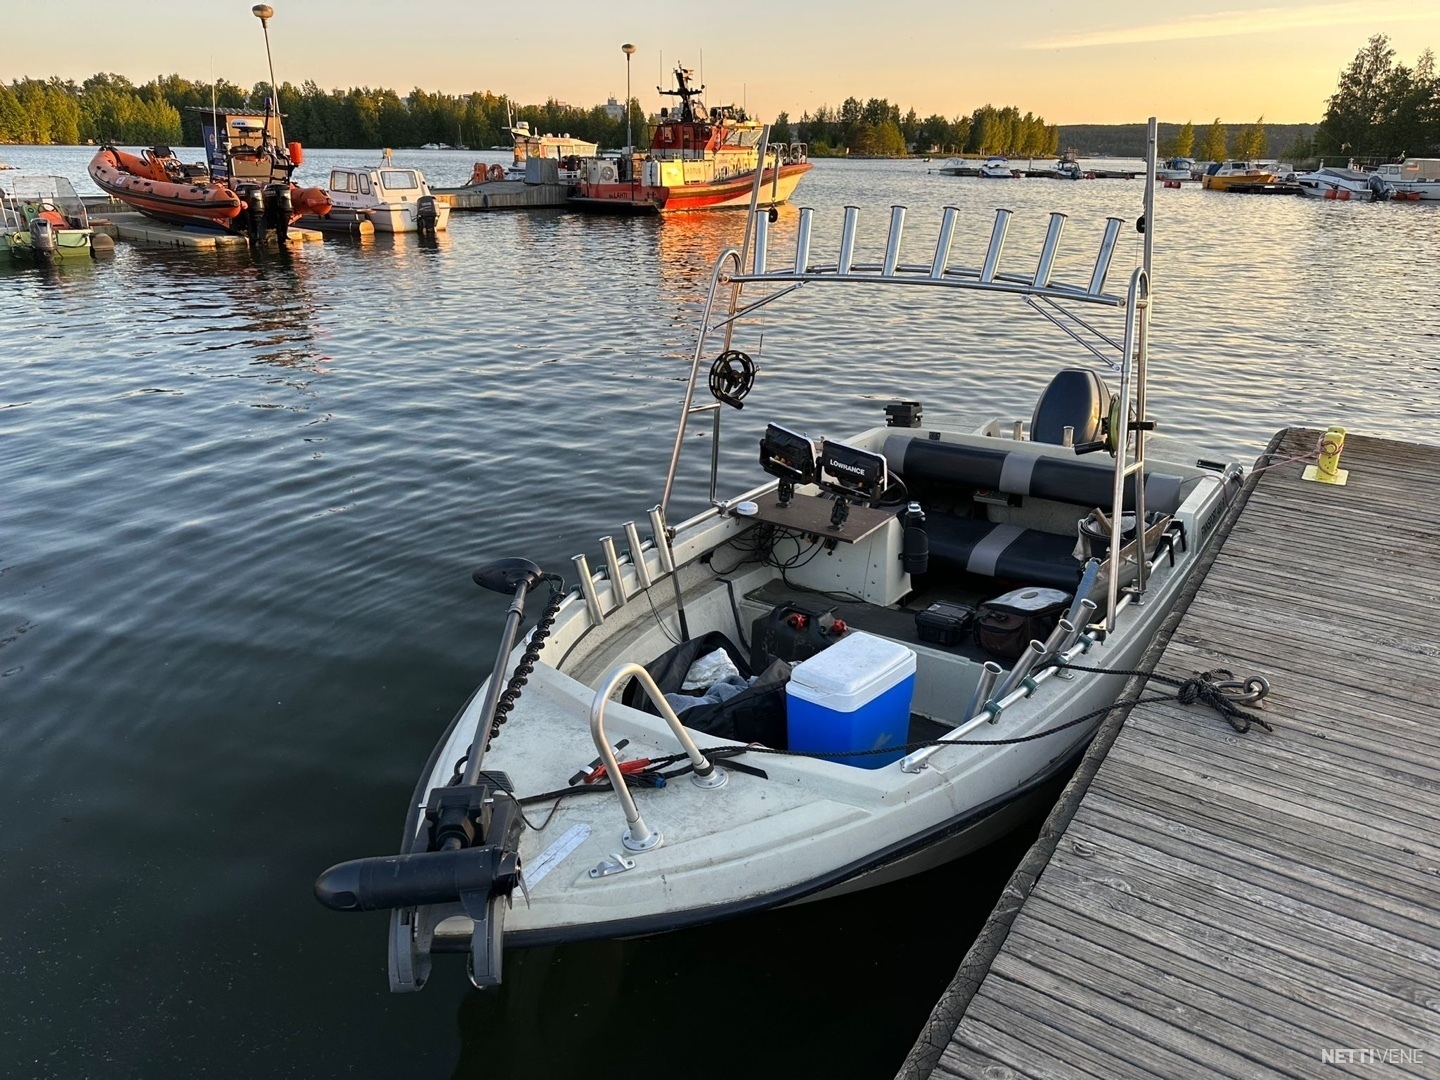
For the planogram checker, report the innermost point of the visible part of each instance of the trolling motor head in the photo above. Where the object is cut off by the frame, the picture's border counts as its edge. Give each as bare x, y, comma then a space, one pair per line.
507, 575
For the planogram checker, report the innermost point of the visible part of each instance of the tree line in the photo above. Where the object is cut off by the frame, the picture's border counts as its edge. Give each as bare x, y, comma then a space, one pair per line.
876, 128
109, 108
1381, 109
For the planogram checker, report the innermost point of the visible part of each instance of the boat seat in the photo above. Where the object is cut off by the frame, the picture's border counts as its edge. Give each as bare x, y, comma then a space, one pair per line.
1009, 552
1007, 468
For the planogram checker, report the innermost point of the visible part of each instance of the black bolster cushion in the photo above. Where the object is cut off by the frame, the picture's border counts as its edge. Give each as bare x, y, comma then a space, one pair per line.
1021, 472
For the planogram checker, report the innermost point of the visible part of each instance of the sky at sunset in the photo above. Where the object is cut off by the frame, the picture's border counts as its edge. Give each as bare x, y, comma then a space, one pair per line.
1113, 61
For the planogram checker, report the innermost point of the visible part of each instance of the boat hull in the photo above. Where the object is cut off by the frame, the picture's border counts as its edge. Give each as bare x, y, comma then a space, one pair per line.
732, 193
1225, 183
403, 219
69, 244
211, 205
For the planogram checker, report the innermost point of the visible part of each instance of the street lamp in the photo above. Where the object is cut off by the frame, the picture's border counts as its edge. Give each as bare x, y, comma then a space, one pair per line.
264, 12
629, 51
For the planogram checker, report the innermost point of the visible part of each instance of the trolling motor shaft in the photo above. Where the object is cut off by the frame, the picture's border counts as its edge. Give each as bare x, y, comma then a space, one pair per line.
472, 834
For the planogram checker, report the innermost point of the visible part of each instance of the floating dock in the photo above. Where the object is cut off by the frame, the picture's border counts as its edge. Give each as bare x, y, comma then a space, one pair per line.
138, 229
504, 195
1203, 903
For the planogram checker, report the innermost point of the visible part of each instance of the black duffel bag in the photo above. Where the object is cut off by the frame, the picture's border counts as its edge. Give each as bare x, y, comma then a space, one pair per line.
756, 714
1005, 625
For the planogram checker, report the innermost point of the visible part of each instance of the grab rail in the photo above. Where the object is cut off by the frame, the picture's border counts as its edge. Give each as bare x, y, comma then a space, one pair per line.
637, 835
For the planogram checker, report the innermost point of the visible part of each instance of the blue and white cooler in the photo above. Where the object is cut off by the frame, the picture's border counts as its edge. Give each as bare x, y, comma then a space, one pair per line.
855, 695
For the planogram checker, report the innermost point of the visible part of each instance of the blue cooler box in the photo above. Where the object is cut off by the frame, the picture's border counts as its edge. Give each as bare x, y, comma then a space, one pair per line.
853, 696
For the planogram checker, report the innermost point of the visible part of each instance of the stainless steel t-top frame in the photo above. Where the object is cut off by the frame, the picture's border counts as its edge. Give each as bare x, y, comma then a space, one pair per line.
1052, 299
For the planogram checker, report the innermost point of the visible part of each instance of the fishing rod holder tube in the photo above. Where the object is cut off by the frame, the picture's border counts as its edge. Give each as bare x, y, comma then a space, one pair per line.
1021, 671
892, 244
1052, 245
989, 674
941, 261
612, 571
637, 555
802, 240
997, 246
762, 242
1061, 634
587, 589
1107, 252
637, 835
847, 240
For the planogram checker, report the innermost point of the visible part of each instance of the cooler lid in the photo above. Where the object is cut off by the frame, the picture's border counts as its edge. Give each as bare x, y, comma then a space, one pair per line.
856, 663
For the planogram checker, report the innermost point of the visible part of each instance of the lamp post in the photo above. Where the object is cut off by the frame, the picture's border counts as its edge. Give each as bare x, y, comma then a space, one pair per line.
629, 51
264, 12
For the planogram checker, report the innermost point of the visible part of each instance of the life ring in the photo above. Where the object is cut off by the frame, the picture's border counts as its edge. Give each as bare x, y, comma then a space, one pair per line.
607, 174
495, 172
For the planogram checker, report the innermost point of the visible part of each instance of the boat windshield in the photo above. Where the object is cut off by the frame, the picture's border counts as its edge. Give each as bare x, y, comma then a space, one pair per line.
344, 180
55, 190
399, 180
742, 136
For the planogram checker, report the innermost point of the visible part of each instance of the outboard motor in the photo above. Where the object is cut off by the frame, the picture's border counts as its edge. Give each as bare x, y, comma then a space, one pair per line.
1379, 189
278, 208
255, 214
42, 237
1076, 398
427, 214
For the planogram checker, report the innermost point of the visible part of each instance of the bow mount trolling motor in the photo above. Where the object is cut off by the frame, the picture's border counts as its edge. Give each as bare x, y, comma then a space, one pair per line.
468, 854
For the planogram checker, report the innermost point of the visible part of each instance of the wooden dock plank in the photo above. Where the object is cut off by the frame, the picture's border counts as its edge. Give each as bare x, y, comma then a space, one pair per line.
1204, 903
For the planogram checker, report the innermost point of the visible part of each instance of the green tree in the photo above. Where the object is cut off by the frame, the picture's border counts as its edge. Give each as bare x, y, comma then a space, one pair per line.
1212, 147
780, 129
1250, 142
1184, 140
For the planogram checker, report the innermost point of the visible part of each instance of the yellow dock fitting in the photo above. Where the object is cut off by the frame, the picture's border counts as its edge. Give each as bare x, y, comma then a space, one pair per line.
1327, 470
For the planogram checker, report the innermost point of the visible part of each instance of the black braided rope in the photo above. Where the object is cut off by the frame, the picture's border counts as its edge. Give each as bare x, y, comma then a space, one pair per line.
523, 670
528, 659
1202, 688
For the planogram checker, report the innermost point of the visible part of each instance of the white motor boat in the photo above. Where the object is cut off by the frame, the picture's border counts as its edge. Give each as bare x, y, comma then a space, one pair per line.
1414, 179
1176, 168
1344, 184
997, 168
882, 735
396, 199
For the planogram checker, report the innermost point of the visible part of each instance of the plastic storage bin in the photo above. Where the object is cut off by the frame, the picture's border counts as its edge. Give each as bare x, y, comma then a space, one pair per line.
853, 696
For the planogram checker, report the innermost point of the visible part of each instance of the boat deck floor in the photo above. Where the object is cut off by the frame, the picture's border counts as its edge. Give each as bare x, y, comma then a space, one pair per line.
1205, 903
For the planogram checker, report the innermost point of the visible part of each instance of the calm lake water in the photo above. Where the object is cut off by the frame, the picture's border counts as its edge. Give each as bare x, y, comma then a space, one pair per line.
242, 495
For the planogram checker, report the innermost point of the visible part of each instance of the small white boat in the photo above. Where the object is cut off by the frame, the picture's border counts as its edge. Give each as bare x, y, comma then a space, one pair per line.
396, 199
956, 167
997, 168
1414, 179
1344, 185
897, 738
1176, 168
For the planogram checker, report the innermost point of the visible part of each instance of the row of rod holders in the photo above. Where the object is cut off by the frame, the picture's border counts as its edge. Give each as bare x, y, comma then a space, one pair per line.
614, 571
940, 264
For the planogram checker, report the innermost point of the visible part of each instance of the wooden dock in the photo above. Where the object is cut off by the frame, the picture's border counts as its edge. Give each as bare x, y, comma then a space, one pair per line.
1203, 903
139, 229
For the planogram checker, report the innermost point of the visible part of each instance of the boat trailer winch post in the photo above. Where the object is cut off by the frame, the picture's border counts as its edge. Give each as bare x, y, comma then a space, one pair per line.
638, 836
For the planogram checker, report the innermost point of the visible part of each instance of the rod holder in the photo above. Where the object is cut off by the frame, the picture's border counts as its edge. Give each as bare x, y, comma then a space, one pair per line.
942, 243
662, 540
587, 589
1017, 431
997, 244
1063, 629
1107, 252
1052, 245
988, 675
1067, 435
1085, 611
612, 571
892, 244
847, 240
762, 240
637, 555
1021, 671
802, 240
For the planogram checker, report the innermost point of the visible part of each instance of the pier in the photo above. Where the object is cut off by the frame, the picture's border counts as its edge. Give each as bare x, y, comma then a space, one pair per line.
504, 195
1206, 903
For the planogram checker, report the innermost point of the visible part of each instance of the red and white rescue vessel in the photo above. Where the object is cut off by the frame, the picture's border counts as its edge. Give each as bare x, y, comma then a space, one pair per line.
699, 159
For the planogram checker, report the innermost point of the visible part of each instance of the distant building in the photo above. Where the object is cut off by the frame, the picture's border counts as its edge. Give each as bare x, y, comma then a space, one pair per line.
614, 110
